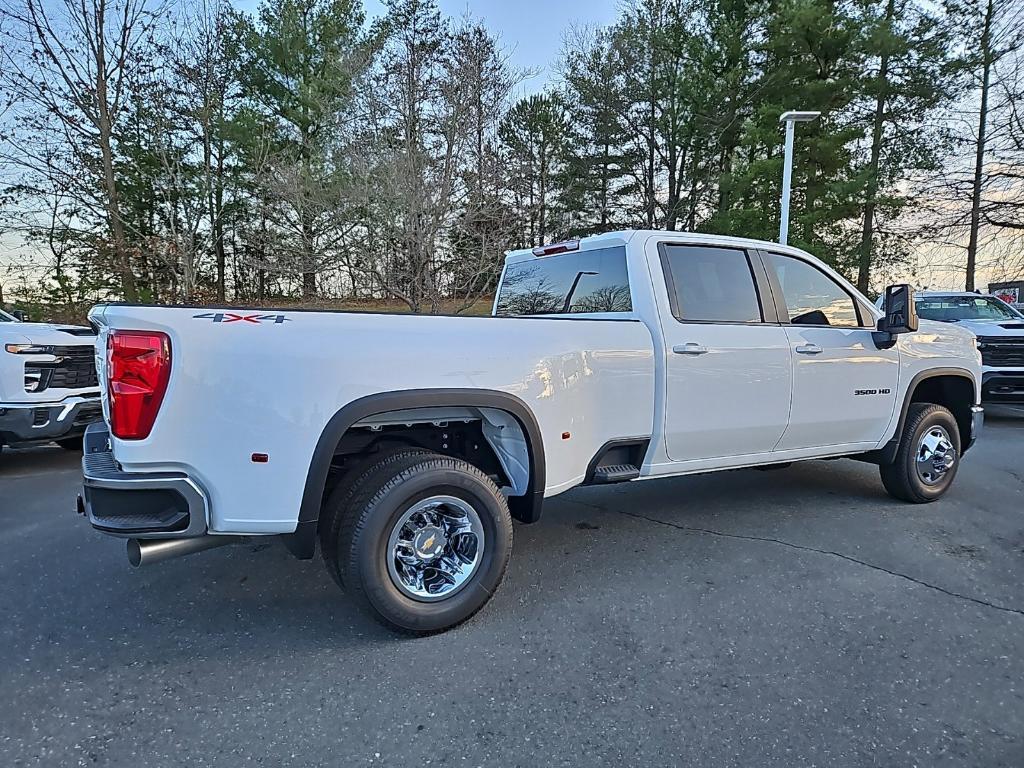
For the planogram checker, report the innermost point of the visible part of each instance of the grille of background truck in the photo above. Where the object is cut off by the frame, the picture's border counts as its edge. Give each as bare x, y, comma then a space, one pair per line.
75, 369
1001, 351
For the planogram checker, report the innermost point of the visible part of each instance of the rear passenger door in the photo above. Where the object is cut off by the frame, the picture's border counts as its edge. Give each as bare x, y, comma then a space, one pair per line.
727, 358
844, 386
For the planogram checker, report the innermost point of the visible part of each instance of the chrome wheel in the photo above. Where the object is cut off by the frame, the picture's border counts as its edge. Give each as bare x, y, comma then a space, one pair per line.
435, 548
935, 456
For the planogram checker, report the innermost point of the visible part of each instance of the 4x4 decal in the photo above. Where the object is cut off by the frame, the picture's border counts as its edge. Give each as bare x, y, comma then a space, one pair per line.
231, 317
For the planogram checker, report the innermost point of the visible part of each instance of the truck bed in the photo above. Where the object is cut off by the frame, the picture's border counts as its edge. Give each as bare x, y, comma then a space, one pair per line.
268, 381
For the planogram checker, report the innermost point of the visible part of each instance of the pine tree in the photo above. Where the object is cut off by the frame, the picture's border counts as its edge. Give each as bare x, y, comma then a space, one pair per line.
534, 132
813, 59
299, 64
594, 180
912, 73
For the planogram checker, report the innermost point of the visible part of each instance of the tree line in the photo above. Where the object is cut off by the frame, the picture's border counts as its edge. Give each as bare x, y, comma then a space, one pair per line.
195, 153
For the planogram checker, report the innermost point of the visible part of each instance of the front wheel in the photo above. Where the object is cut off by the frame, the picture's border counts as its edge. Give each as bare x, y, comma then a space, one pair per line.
422, 542
928, 455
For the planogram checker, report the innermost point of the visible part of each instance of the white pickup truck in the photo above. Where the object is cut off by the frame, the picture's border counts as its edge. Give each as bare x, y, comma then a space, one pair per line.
405, 444
48, 385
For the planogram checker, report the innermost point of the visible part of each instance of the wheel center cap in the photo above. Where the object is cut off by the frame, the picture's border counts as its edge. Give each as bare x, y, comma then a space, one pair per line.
429, 542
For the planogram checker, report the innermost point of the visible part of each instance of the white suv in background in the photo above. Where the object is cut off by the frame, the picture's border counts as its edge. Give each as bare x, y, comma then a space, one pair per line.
48, 386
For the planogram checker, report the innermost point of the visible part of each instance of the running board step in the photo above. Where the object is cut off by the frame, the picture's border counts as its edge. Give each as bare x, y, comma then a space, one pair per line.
616, 473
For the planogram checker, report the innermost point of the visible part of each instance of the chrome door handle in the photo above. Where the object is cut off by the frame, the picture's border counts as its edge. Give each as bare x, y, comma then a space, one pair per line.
690, 348
809, 349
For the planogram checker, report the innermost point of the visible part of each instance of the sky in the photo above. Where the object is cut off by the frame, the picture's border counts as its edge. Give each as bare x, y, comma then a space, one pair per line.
530, 30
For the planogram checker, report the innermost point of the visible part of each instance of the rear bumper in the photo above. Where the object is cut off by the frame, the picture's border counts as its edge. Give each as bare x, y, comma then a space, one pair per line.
27, 423
1002, 387
152, 505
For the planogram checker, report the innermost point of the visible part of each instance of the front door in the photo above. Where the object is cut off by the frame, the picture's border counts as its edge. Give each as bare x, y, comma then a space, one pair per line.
728, 364
844, 386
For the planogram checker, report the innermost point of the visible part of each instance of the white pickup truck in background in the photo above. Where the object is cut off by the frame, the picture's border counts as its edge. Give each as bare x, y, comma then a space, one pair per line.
1000, 331
48, 385
405, 444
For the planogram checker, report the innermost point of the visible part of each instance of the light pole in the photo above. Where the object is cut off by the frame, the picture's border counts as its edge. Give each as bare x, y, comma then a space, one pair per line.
790, 118
568, 297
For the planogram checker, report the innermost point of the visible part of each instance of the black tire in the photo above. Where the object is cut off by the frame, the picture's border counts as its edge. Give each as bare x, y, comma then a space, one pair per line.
71, 443
339, 497
363, 512
901, 478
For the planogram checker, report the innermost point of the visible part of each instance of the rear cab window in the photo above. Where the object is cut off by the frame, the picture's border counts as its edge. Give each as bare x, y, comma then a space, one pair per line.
579, 282
710, 284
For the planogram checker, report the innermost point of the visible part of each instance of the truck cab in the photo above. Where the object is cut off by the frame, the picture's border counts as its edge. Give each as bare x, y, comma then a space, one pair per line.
763, 352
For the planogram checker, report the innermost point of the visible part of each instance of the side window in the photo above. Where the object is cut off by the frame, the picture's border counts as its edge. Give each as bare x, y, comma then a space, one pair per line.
581, 282
710, 284
812, 297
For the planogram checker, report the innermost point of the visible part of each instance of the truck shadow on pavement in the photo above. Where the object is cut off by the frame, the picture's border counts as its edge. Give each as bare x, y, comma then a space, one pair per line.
26, 462
616, 542
256, 592
1004, 414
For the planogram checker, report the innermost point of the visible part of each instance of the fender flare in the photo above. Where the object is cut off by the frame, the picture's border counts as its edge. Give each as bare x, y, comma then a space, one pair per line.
887, 453
526, 508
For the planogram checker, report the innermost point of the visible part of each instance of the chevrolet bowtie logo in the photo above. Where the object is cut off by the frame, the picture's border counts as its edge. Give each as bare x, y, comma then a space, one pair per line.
428, 543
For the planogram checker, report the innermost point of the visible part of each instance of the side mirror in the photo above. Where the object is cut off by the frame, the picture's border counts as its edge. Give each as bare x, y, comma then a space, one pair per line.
18, 314
900, 312
900, 315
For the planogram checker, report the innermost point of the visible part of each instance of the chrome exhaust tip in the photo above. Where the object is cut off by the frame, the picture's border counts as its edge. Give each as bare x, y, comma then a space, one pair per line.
148, 551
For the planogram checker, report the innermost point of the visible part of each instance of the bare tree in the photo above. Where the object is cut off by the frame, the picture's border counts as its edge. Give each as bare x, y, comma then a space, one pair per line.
301, 62
67, 65
202, 75
426, 163
487, 224
988, 57
1004, 202
993, 37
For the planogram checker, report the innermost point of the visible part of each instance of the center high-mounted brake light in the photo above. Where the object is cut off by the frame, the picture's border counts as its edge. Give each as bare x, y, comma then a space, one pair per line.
138, 369
551, 250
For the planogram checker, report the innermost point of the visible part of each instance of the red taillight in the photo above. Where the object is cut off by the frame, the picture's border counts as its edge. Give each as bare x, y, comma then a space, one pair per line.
138, 369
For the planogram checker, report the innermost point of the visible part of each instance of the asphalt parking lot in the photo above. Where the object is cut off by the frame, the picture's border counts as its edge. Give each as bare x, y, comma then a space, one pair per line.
794, 617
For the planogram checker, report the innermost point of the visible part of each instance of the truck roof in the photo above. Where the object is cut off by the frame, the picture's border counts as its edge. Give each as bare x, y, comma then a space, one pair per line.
622, 237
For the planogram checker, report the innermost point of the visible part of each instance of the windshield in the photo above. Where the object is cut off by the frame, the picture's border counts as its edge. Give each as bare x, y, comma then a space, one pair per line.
5, 318
951, 309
